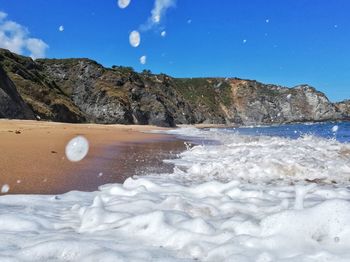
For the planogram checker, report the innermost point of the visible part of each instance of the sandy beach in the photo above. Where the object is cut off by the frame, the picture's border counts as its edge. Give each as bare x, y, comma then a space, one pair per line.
33, 157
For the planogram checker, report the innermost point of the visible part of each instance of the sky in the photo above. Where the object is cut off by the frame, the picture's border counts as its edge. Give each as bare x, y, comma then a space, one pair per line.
285, 42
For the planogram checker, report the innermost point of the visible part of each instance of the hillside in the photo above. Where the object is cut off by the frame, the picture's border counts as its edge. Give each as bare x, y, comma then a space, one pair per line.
81, 90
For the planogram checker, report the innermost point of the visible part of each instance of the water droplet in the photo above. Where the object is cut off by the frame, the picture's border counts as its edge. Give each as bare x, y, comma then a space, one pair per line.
335, 129
77, 148
134, 38
5, 188
123, 3
143, 59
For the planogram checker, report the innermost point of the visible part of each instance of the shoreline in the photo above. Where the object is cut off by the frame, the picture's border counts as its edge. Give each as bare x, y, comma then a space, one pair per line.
33, 157
206, 126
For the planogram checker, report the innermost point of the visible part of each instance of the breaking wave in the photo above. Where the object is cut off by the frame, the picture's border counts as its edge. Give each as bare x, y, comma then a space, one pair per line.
240, 198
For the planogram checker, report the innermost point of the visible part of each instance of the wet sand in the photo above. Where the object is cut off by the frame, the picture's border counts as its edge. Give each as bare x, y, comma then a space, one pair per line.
33, 161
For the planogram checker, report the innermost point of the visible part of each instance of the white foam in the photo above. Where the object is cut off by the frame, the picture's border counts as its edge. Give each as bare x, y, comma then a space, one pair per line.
264, 159
240, 199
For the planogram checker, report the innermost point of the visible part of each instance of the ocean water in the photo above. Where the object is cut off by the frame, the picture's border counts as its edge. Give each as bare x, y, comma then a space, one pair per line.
257, 194
329, 130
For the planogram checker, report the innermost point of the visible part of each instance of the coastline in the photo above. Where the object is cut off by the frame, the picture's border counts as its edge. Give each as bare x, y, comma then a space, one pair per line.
33, 157
218, 197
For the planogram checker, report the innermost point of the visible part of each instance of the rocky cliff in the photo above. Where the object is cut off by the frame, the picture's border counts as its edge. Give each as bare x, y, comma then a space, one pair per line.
344, 107
11, 103
81, 90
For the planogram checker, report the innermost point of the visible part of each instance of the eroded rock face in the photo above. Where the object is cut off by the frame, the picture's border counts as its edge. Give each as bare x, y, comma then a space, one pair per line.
37, 90
81, 80
81, 90
266, 104
11, 103
344, 108
111, 96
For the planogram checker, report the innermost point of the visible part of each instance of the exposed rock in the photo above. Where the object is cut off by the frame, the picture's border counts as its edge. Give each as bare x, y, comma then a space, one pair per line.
80, 90
257, 103
344, 108
38, 91
11, 103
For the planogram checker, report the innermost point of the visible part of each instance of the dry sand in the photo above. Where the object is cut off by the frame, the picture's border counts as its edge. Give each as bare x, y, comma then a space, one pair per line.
33, 160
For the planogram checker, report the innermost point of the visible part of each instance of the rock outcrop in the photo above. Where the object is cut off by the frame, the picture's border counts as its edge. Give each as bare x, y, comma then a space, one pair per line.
38, 91
11, 103
257, 103
81, 90
344, 108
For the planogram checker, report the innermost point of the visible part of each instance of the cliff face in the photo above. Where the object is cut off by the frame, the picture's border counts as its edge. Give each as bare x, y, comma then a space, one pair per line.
344, 107
80, 90
258, 103
11, 103
38, 91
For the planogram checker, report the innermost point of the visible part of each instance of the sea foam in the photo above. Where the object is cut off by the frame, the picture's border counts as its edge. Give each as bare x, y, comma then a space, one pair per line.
240, 199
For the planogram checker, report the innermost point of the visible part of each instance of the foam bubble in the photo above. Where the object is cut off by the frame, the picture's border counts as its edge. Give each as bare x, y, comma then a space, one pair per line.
134, 38
335, 129
77, 148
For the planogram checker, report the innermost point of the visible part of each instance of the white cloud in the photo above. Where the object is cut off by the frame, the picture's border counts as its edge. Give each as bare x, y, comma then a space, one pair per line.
158, 12
143, 60
36, 47
2, 15
15, 38
61, 28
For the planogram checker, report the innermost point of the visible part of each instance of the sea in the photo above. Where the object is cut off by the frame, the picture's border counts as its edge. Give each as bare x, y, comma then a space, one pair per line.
328, 130
252, 194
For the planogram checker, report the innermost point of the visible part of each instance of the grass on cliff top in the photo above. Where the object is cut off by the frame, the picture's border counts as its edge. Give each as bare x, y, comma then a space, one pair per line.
209, 92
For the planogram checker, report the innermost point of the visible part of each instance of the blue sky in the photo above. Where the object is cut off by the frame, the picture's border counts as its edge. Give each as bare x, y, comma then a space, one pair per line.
286, 42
